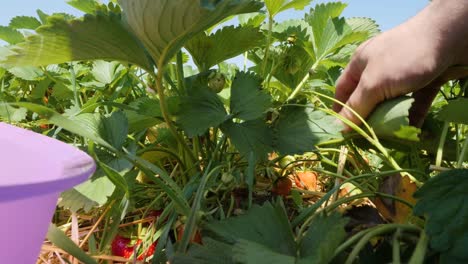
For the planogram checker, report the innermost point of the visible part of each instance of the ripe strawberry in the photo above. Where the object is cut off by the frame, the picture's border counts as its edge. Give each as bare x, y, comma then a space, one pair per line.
282, 186
149, 251
121, 246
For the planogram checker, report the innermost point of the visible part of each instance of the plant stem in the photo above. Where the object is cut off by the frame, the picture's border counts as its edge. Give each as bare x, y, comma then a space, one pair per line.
165, 114
440, 148
420, 251
180, 73
298, 87
463, 152
73, 82
268, 43
396, 247
378, 230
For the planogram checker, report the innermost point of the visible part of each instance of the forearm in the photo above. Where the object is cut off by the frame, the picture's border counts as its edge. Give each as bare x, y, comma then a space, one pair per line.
449, 18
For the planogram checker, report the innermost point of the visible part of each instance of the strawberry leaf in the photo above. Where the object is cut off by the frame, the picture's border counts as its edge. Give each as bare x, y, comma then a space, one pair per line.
10, 35
363, 24
390, 119
200, 111
276, 6
250, 136
454, 111
299, 129
88, 195
172, 23
24, 22
248, 100
100, 36
264, 235
226, 43
442, 199
87, 6
324, 235
266, 225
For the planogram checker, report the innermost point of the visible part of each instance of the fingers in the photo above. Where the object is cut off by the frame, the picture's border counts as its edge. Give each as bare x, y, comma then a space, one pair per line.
345, 86
422, 102
363, 100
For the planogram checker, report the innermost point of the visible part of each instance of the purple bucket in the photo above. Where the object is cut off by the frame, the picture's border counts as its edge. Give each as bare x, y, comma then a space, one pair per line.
34, 170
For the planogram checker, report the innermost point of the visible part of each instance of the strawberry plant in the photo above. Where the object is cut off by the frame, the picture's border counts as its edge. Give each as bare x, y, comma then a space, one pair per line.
232, 163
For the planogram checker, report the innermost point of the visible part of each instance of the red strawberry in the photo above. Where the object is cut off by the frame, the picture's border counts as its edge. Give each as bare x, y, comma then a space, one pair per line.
149, 252
121, 246
282, 186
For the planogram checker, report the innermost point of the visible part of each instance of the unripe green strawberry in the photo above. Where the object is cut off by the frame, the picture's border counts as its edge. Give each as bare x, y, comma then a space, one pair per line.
216, 81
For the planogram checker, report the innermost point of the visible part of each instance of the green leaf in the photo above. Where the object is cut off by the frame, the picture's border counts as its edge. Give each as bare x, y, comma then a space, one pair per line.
296, 4
226, 43
211, 252
455, 111
201, 110
87, 6
10, 35
299, 129
88, 195
253, 253
100, 36
106, 72
442, 200
28, 73
266, 225
390, 116
42, 16
408, 133
319, 17
114, 129
250, 136
274, 6
335, 35
252, 19
12, 114
116, 177
248, 100
64, 122
363, 24
324, 235
165, 25
61, 240
24, 22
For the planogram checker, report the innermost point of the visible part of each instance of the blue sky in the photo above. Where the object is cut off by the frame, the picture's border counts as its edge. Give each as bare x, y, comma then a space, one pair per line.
387, 13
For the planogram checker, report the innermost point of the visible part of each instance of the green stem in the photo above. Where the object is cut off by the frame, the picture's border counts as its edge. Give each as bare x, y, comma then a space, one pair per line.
193, 217
180, 73
73, 82
268, 43
298, 87
420, 251
440, 147
166, 116
378, 230
396, 247
463, 152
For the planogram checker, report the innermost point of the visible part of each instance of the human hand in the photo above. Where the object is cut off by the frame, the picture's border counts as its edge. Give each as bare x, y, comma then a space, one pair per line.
415, 57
